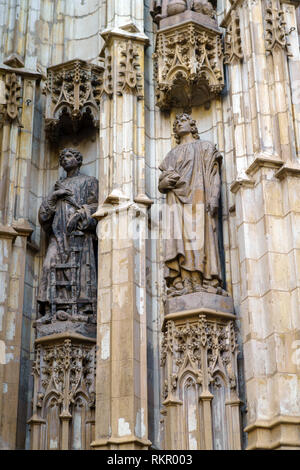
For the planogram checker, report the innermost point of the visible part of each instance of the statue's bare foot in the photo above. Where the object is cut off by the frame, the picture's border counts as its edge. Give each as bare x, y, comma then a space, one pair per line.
198, 288
44, 320
61, 315
80, 318
188, 286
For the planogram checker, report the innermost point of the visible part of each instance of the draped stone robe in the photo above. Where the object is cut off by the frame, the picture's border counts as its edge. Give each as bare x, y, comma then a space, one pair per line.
190, 232
54, 218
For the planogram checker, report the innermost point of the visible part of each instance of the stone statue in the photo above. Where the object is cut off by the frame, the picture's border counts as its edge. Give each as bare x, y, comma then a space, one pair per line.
156, 9
68, 287
174, 7
191, 180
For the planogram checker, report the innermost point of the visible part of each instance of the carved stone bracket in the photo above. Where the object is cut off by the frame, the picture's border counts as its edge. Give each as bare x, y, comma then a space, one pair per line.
188, 62
123, 57
73, 91
233, 44
64, 387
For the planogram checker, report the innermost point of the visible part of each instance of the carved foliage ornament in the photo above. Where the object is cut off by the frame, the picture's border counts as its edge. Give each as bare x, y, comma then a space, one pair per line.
128, 69
188, 65
201, 348
233, 44
275, 28
130, 76
12, 95
64, 375
73, 96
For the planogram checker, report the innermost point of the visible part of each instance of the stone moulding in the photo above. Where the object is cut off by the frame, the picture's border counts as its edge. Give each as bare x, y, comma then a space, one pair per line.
277, 433
188, 63
73, 90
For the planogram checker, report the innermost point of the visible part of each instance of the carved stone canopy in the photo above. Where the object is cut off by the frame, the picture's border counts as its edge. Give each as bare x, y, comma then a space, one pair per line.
73, 91
188, 61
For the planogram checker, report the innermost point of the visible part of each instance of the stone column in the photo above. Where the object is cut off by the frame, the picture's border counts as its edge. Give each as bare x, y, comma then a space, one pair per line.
266, 213
16, 147
8, 374
121, 391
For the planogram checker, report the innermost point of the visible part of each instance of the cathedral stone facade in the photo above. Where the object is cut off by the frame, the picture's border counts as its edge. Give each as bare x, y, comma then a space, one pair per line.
149, 224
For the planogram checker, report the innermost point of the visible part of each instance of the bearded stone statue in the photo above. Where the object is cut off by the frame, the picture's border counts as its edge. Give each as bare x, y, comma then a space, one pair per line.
68, 285
190, 179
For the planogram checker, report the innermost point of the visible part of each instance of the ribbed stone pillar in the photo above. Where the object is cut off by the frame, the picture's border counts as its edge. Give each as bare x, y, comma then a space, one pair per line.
121, 390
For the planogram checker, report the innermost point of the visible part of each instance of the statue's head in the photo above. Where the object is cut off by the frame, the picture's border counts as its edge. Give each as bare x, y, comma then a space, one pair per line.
70, 158
184, 125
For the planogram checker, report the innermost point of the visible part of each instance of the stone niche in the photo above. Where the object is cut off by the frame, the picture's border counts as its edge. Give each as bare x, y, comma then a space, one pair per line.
73, 91
188, 60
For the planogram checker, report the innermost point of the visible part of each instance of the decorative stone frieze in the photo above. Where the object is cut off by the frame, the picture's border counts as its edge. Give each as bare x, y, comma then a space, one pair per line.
73, 92
233, 43
188, 61
64, 392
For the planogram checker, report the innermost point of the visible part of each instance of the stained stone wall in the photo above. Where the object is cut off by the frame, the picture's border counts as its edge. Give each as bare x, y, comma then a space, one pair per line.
254, 121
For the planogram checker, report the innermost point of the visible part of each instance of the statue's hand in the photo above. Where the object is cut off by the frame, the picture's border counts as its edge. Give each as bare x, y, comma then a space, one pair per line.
169, 181
60, 193
212, 208
72, 224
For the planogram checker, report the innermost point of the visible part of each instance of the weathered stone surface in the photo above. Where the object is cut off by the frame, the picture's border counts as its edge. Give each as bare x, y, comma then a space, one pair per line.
189, 15
57, 327
198, 301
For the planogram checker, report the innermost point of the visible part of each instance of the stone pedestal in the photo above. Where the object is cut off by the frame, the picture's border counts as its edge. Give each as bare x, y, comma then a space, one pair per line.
200, 390
87, 330
121, 392
64, 392
197, 301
